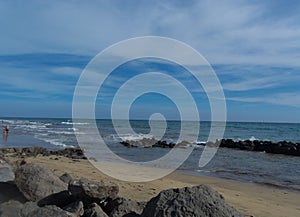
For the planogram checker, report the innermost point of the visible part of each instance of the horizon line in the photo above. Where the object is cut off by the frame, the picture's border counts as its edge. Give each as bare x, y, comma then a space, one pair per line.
138, 119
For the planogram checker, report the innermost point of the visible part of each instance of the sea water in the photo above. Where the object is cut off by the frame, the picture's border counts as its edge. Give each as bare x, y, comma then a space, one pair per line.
268, 169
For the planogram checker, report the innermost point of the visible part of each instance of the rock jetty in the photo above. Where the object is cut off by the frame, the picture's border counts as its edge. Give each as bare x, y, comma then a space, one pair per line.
282, 147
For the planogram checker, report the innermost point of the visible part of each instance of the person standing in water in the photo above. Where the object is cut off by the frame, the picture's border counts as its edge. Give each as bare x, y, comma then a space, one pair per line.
5, 129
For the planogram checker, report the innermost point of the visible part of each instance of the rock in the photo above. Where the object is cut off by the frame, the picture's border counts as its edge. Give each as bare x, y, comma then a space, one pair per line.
75, 208
29, 152
89, 191
9, 191
74, 153
60, 199
6, 172
66, 178
196, 201
124, 207
10, 208
49, 211
95, 211
30, 209
35, 182
283, 147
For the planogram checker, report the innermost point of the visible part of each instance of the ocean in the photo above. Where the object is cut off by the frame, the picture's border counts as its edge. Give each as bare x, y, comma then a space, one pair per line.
271, 170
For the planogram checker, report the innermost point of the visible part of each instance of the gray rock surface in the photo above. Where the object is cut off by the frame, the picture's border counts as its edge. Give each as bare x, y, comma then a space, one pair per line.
122, 207
6, 172
89, 191
35, 182
76, 208
11, 208
30, 209
48, 211
66, 178
198, 201
94, 211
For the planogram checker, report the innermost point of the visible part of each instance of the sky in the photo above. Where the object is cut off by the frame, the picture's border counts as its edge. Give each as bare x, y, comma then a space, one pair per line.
253, 47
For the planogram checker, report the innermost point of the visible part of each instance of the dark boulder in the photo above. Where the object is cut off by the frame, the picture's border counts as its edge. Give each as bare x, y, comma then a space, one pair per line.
35, 182
196, 201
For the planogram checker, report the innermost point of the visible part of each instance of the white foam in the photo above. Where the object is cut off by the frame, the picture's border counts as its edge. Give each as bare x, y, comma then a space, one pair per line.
8, 121
61, 132
135, 137
201, 142
74, 123
55, 142
252, 138
67, 123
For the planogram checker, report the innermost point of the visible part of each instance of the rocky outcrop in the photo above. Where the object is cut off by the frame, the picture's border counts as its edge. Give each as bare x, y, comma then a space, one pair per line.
189, 202
35, 182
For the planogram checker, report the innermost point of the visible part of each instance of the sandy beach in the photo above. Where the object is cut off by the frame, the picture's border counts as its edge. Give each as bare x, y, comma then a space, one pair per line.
250, 199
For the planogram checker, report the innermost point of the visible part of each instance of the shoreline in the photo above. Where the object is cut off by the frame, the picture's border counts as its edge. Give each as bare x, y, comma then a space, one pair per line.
266, 185
248, 198
77, 153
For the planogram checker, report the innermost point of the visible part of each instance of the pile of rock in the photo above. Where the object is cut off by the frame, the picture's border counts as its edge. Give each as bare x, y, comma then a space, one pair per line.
49, 195
74, 153
282, 147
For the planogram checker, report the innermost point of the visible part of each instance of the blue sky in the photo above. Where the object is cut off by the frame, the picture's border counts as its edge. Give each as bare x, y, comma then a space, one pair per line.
253, 46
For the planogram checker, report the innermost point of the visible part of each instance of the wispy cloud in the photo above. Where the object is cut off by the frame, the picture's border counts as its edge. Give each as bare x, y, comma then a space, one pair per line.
287, 99
252, 45
253, 32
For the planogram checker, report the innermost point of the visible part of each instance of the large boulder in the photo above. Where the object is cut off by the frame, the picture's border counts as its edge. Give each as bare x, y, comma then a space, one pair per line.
90, 191
123, 207
36, 183
195, 201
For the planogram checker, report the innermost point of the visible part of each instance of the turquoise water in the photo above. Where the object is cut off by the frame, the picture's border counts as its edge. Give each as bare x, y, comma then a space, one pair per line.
272, 170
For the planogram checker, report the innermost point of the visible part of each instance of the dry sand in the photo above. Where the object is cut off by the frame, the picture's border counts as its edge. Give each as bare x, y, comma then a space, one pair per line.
252, 200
